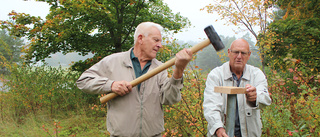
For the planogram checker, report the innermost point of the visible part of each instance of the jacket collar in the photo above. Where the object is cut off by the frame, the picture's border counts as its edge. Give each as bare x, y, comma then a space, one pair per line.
228, 74
127, 60
128, 63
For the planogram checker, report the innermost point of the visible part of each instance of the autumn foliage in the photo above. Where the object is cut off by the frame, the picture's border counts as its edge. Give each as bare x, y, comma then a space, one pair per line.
48, 98
295, 109
186, 117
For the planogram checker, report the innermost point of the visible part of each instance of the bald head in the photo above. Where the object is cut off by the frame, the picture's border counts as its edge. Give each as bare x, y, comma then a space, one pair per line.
240, 43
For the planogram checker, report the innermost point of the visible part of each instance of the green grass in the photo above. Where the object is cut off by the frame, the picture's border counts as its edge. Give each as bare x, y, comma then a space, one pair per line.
43, 125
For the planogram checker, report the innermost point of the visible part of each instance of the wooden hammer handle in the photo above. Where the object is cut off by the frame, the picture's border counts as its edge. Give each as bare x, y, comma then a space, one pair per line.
155, 71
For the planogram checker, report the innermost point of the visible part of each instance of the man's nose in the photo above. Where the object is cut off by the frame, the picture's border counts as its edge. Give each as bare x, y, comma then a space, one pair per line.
159, 45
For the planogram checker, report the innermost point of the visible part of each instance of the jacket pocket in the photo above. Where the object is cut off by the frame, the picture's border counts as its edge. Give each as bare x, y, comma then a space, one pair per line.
253, 122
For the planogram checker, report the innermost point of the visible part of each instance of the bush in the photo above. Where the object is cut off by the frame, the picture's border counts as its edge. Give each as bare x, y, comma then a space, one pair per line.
186, 117
33, 89
295, 108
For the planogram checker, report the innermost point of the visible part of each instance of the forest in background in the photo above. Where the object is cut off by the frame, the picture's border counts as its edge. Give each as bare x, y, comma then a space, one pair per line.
206, 58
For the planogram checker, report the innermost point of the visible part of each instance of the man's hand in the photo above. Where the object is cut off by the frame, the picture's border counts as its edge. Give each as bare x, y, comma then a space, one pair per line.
121, 87
182, 59
221, 132
251, 93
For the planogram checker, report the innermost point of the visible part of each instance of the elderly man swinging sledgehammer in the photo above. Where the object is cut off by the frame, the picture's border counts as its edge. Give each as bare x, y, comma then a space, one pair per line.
137, 111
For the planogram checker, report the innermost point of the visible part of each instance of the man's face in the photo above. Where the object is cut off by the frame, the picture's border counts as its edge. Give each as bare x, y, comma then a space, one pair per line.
151, 43
239, 55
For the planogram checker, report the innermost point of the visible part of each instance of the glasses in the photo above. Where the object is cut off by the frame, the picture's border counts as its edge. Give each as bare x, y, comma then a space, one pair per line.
235, 52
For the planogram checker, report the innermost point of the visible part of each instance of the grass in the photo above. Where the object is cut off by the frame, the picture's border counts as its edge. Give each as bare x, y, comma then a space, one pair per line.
43, 125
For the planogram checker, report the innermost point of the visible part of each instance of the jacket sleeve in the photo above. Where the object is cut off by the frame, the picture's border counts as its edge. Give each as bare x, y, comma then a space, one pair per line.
94, 80
170, 89
212, 104
261, 84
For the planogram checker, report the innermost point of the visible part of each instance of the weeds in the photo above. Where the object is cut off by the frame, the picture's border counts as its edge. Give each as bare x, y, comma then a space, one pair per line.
44, 101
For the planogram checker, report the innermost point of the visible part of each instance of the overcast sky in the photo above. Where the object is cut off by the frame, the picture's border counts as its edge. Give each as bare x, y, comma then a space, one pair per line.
187, 8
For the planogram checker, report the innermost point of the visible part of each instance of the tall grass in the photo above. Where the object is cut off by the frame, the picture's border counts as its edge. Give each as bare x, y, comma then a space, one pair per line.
44, 101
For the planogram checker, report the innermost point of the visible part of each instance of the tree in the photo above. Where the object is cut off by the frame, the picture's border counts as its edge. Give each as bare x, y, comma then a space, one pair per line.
101, 27
295, 36
11, 54
9, 50
247, 13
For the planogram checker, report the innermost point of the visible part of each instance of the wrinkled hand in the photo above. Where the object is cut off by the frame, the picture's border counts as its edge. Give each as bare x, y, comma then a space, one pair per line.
121, 87
182, 59
251, 93
221, 132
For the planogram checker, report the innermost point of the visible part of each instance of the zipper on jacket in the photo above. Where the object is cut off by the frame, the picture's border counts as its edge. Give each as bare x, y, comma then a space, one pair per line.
141, 106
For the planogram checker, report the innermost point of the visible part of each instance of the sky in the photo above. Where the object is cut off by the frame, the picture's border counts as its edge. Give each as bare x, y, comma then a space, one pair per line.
199, 19
187, 8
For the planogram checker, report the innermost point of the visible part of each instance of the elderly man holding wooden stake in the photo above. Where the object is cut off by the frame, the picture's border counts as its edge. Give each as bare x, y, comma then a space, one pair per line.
236, 73
138, 111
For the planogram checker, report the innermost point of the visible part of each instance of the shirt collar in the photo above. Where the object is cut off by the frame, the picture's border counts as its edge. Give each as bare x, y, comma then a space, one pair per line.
229, 74
132, 56
235, 76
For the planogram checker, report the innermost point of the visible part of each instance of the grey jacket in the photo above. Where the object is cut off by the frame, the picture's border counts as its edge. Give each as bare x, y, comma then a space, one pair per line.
215, 104
138, 113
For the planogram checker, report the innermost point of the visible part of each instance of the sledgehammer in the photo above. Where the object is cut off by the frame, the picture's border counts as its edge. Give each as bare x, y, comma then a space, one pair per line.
213, 38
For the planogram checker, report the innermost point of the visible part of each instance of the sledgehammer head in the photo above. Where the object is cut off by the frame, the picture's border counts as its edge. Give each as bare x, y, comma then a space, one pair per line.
214, 38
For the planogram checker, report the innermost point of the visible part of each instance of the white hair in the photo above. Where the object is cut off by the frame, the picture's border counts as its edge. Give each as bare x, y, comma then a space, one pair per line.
143, 27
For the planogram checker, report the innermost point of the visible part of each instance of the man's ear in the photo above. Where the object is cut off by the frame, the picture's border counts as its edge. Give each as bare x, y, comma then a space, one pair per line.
228, 52
139, 39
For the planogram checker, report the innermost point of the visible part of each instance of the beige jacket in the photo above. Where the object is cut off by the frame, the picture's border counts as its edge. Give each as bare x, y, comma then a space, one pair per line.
138, 113
215, 104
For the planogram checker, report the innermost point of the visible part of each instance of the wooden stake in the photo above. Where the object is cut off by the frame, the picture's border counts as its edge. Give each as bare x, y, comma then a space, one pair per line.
230, 90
